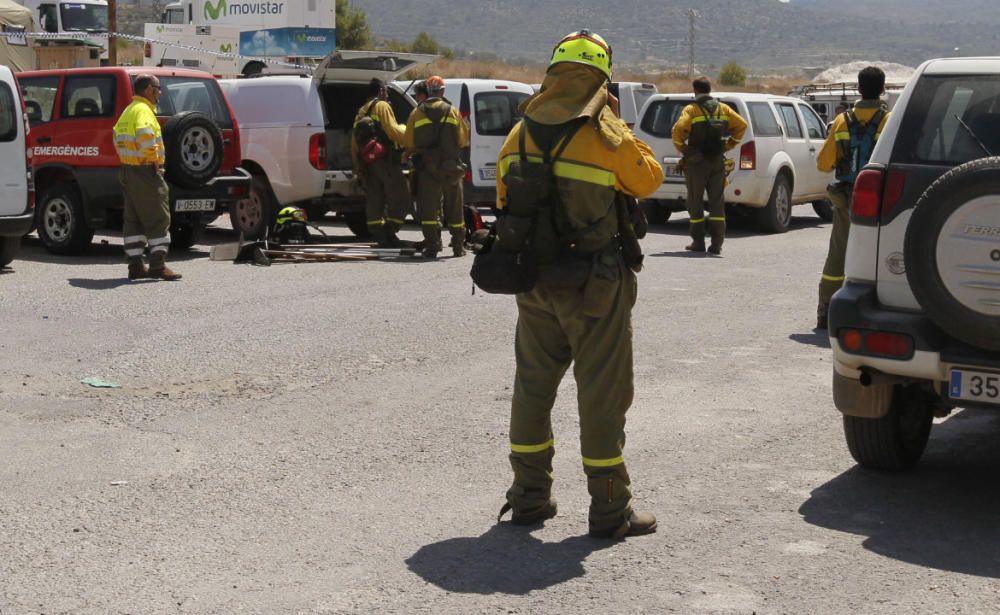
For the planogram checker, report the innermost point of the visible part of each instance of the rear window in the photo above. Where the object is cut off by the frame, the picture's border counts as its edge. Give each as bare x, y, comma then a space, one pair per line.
931, 131
8, 115
180, 94
497, 112
762, 120
661, 116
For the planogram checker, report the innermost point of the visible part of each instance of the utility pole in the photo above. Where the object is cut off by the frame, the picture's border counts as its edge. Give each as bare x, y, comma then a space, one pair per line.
112, 27
692, 16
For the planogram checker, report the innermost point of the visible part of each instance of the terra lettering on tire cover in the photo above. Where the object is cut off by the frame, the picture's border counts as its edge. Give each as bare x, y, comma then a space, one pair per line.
194, 149
952, 252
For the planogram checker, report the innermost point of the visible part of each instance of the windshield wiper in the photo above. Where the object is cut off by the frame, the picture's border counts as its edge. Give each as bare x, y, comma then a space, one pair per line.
973, 135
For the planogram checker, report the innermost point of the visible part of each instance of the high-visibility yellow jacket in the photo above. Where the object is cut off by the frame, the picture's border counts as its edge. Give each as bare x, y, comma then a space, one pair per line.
588, 173
385, 121
138, 137
833, 148
693, 114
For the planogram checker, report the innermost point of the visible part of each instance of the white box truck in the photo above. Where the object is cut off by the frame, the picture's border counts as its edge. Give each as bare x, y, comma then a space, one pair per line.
289, 31
65, 17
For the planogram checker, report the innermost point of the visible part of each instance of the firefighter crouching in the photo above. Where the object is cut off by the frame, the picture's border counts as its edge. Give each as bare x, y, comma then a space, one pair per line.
705, 131
139, 143
572, 148
377, 156
435, 135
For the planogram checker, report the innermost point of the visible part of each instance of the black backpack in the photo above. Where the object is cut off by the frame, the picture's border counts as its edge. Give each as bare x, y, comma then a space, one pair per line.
709, 137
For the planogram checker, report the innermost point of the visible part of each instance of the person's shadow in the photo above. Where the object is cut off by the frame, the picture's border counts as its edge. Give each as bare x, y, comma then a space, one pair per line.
505, 560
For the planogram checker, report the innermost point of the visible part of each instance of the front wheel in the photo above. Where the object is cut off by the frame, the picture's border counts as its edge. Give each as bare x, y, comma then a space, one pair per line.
896, 441
776, 217
62, 224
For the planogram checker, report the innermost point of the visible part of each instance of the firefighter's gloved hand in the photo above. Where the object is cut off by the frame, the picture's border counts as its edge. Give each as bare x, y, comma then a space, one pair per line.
681, 165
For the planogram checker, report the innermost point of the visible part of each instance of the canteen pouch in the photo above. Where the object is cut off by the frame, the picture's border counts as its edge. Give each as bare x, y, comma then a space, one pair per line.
502, 272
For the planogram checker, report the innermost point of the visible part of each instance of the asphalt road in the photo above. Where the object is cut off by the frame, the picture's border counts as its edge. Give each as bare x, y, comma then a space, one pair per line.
331, 438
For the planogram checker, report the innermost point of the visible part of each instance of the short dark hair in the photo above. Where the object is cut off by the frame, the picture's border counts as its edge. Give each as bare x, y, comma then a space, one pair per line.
142, 82
375, 86
702, 85
420, 88
871, 82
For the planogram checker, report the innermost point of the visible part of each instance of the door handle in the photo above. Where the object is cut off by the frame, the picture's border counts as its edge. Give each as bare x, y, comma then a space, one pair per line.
812, 150
44, 139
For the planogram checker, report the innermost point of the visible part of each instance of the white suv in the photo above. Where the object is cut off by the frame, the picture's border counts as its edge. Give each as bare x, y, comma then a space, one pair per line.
296, 135
775, 163
17, 199
915, 330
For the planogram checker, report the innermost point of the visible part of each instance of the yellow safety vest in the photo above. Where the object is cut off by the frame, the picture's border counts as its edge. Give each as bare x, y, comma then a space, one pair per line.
138, 137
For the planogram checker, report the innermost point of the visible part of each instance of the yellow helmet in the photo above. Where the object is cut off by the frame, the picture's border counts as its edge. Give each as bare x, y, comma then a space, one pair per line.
584, 47
288, 214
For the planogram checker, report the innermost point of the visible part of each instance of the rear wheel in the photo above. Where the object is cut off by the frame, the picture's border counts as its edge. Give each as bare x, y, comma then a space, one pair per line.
357, 222
8, 249
776, 217
656, 212
896, 441
62, 224
250, 216
824, 210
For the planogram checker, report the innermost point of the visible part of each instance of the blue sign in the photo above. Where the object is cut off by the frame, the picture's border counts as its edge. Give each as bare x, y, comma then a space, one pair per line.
283, 42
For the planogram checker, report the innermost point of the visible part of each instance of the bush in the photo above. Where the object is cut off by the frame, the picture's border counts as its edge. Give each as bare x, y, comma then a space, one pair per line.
732, 74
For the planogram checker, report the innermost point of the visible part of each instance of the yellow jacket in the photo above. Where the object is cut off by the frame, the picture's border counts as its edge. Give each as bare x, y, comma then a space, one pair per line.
830, 154
693, 113
418, 119
138, 137
385, 118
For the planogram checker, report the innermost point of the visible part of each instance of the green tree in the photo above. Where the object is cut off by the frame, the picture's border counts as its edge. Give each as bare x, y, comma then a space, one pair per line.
425, 43
732, 74
352, 27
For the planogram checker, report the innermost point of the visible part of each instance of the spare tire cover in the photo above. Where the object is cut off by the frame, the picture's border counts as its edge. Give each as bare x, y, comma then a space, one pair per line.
194, 149
952, 252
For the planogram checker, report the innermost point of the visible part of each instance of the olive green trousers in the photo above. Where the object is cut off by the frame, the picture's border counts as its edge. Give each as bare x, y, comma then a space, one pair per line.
552, 333
703, 175
146, 218
433, 195
833, 271
387, 197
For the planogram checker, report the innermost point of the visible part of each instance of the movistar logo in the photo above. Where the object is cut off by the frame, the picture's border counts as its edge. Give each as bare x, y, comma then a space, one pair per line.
301, 37
227, 48
159, 29
234, 9
214, 12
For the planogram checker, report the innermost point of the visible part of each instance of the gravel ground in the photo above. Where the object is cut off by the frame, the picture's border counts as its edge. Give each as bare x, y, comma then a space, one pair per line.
331, 438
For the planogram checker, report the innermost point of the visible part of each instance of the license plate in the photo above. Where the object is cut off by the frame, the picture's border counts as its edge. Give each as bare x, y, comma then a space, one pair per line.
194, 205
670, 170
488, 173
969, 385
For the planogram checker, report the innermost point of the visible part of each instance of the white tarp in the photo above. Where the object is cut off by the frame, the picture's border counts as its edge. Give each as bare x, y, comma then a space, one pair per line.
848, 73
16, 51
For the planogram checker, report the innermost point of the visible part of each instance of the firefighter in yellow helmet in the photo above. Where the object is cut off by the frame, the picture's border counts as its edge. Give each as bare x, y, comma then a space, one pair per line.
579, 311
705, 131
376, 151
435, 135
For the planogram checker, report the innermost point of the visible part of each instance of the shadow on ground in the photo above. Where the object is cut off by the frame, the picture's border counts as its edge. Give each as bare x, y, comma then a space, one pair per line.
819, 338
505, 560
737, 225
942, 515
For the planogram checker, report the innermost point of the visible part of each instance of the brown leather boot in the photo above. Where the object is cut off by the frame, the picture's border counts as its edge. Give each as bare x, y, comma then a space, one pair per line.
137, 271
637, 524
166, 273
694, 246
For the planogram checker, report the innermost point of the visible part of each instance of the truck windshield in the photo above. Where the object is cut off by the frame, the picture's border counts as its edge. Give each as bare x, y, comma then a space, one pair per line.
78, 17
